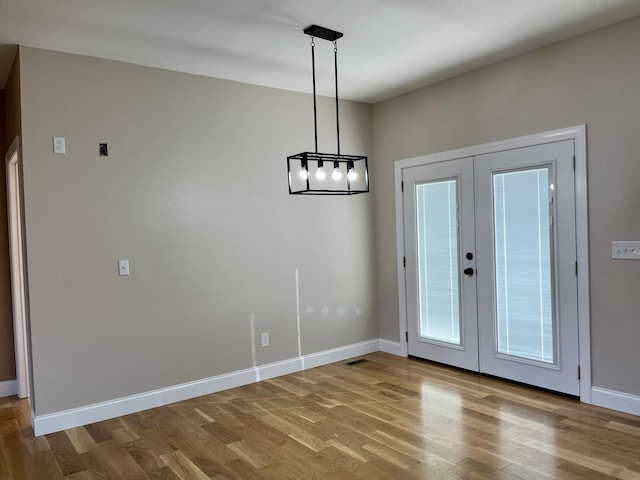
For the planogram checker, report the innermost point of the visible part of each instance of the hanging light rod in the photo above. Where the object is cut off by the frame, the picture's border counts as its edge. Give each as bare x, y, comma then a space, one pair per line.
306, 170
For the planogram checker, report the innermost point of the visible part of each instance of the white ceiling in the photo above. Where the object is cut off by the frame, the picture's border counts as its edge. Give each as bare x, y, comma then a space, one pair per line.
389, 46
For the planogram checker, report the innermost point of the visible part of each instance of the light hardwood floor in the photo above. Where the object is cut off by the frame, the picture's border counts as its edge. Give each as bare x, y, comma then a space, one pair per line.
386, 418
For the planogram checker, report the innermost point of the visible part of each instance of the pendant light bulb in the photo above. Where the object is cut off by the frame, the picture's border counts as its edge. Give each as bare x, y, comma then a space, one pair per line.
336, 174
351, 173
320, 173
304, 173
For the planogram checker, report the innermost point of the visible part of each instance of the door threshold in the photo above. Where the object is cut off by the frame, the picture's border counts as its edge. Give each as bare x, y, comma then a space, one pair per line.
494, 377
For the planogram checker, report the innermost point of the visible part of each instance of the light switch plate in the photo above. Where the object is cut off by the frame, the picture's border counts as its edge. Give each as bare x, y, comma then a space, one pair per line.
123, 267
264, 339
59, 145
625, 250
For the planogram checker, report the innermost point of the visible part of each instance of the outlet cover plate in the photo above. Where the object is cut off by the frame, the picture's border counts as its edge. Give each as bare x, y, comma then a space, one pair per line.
59, 145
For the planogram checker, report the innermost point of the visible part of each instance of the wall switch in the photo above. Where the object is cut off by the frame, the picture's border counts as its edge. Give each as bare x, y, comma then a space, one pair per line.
59, 145
123, 267
264, 339
625, 250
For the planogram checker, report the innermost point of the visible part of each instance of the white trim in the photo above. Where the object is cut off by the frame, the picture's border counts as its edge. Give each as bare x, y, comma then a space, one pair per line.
277, 369
402, 285
388, 346
570, 133
17, 268
8, 388
53, 422
623, 402
579, 135
582, 253
338, 354
97, 412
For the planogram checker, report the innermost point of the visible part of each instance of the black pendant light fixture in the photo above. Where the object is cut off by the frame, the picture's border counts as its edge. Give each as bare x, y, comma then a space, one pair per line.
314, 173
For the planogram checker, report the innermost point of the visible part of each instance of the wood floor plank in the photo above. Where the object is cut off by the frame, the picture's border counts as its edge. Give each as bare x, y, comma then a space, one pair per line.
388, 418
80, 439
127, 468
144, 456
379, 469
83, 475
98, 432
183, 467
164, 473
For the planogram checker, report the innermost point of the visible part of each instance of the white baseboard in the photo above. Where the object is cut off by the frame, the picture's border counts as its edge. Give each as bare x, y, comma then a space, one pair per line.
277, 369
623, 402
8, 388
75, 417
338, 354
54, 422
389, 346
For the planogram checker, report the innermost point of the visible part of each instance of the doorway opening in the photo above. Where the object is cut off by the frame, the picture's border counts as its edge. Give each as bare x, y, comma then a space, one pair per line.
17, 266
493, 259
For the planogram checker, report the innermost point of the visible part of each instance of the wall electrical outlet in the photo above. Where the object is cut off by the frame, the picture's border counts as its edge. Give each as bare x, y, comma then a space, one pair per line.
625, 250
264, 339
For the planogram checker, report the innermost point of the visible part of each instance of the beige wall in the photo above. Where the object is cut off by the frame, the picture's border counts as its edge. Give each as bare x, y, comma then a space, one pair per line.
194, 194
9, 128
593, 79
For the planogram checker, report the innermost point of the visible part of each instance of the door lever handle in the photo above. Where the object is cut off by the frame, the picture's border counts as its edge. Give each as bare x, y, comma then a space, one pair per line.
468, 271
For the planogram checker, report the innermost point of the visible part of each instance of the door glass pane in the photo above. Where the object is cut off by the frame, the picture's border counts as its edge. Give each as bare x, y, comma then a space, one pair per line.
437, 237
523, 264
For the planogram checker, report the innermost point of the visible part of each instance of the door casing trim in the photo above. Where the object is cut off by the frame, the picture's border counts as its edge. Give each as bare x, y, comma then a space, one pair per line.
579, 136
17, 254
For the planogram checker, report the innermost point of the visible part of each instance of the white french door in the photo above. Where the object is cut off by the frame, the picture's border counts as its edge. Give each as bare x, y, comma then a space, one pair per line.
490, 252
441, 303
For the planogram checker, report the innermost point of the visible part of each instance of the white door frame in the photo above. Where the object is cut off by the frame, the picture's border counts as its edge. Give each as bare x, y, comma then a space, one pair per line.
17, 264
579, 136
